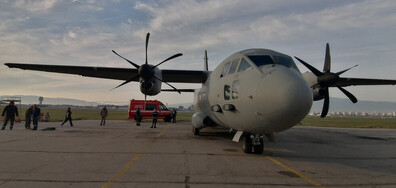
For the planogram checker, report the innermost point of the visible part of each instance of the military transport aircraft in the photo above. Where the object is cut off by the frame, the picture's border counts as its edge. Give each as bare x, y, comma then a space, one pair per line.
254, 92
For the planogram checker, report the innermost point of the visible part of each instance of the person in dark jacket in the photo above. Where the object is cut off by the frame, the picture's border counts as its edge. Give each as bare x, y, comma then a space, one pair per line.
174, 116
103, 115
155, 118
9, 111
36, 116
68, 117
138, 117
28, 117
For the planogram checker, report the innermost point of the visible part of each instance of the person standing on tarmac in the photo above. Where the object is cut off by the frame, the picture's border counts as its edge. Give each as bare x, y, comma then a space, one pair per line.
103, 115
155, 118
28, 117
10, 111
138, 117
174, 116
36, 116
68, 117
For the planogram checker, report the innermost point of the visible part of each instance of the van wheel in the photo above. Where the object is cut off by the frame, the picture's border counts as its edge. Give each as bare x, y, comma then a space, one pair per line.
167, 118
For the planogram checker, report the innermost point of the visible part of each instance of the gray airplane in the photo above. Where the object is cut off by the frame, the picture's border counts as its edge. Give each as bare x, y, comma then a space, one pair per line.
253, 92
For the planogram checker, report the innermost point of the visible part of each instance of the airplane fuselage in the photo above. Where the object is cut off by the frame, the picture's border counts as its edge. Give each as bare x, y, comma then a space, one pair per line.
257, 91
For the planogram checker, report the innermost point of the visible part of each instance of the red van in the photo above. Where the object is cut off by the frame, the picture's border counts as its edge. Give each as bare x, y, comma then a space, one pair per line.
146, 109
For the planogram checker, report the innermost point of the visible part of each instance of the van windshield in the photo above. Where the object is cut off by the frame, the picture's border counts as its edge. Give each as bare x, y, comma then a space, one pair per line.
162, 107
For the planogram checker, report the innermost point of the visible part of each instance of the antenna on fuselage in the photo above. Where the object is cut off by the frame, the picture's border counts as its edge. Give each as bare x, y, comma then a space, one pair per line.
206, 61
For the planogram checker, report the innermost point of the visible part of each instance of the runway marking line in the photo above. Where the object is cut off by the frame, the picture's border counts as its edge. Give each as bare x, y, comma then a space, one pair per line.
311, 181
133, 160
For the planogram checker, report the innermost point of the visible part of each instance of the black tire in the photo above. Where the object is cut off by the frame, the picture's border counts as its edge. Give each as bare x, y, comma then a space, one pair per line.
195, 131
259, 149
247, 143
167, 118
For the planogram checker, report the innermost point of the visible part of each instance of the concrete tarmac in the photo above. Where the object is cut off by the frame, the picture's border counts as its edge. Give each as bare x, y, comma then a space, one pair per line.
121, 154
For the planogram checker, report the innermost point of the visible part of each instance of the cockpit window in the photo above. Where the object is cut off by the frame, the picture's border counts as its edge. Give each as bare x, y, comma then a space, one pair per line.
225, 69
286, 61
261, 60
234, 66
244, 65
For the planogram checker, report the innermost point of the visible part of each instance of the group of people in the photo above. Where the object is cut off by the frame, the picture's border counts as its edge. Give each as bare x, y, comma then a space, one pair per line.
139, 117
32, 113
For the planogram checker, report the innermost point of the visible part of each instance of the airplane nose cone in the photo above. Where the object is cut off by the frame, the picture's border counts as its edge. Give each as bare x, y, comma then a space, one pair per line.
285, 98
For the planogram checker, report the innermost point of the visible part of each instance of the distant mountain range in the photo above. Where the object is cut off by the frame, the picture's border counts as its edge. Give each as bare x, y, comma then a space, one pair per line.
31, 99
336, 104
345, 105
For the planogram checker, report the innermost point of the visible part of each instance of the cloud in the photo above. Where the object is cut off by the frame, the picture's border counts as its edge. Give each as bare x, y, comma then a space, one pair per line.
33, 5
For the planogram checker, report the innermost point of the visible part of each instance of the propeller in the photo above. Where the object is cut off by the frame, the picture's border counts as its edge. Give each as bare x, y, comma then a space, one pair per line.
146, 71
326, 79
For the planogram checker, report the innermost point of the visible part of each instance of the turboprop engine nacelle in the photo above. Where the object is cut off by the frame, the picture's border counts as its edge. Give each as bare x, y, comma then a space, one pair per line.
318, 93
152, 87
201, 120
150, 80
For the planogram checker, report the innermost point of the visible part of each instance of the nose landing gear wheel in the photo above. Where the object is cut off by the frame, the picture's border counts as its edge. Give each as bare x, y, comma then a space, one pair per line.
259, 149
247, 143
195, 131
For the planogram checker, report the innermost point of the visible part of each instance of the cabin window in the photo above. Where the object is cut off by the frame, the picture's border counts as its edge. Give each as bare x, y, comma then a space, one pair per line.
234, 66
261, 60
225, 69
286, 61
244, 65
151, 106
235, 89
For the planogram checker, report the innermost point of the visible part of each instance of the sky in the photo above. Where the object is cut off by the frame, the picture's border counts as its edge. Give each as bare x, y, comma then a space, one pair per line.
83, 32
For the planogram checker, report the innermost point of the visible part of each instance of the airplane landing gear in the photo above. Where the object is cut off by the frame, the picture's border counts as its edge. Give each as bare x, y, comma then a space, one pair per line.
251, 142
195, 131
247, 143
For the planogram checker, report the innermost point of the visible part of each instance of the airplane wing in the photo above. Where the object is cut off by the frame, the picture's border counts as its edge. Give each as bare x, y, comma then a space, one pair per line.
342, 82
181, 76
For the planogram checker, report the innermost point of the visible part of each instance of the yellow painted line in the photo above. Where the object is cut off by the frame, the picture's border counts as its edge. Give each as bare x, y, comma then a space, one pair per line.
133, 160
311, 181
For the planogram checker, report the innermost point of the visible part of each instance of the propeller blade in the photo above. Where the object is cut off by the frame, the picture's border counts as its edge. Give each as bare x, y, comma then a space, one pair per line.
348, 94
127, 81
147, 40
167, 84
327, 63
325, 104
169, 58
132, 63
341, 72
311, 68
